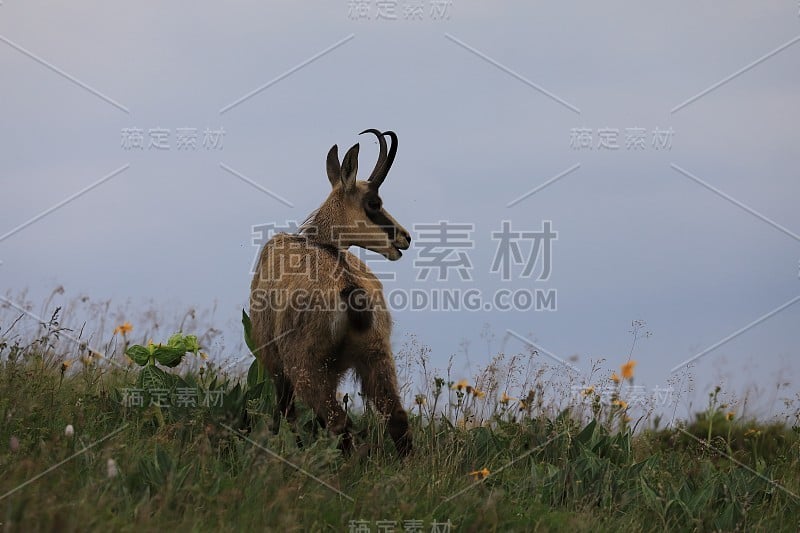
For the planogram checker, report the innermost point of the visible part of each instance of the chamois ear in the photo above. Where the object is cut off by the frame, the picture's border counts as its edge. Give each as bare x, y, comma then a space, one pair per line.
350, 167
333, 167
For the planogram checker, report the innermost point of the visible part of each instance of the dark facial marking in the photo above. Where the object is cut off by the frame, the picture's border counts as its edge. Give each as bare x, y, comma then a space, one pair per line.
373, 207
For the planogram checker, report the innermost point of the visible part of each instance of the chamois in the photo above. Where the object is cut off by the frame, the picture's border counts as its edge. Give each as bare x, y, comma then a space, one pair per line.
318, 311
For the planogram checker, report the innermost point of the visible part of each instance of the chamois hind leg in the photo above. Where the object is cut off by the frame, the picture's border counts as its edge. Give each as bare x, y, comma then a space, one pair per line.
379, 384
284, 400
320, 395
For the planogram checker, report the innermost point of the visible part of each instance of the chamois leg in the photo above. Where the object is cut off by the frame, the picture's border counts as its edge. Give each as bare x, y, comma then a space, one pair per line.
320, 396
379, 385
284, 392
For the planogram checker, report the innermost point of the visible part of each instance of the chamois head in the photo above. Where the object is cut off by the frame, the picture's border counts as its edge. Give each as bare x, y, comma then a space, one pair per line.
353, 214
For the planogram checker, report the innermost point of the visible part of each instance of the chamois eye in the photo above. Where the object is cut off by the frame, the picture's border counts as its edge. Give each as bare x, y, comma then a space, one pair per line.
373, 205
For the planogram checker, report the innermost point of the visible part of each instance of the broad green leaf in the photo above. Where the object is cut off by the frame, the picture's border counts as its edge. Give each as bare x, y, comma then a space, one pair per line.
255, 392
153, 378
176, 341
169, 356
191, 343
586, 434
252, 374
139, 354
248, 332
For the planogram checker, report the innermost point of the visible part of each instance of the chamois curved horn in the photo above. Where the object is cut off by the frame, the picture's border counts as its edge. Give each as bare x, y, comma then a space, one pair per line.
384, 160
381, 154
389, 158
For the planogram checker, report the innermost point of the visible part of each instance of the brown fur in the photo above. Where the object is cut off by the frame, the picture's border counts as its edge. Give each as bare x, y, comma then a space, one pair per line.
343, 323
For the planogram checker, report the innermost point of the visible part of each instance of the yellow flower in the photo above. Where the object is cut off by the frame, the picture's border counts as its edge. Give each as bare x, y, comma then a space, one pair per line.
478, 393
627, 369
124, 328
203, 356
483, 473
462, 384
420, 399
626, 419
730, 415
65, 365
505, 398
588, 390
614, 377
622, 404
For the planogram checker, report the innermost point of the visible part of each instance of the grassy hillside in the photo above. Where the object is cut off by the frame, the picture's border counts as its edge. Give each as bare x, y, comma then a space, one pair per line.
78, 452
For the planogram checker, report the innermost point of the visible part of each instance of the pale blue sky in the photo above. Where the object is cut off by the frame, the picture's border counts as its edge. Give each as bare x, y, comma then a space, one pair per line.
466, 95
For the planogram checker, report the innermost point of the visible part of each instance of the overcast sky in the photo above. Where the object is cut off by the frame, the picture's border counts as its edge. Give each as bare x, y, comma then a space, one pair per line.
666, 135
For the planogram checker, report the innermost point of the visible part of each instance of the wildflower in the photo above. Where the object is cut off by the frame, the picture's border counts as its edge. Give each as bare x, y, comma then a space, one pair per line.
69, 431
622, 404
626, 419
730, 416
627, 369
462, 384
111, 468
588, 390
203, 356
505, 398
420, 399
65, 366
483, 473
478, 393
614, 377
123, 328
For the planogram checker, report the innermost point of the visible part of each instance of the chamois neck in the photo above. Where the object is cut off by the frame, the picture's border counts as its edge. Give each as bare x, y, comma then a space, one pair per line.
322, 225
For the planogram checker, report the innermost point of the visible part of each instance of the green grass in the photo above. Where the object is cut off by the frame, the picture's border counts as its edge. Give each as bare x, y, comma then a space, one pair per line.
180, 468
